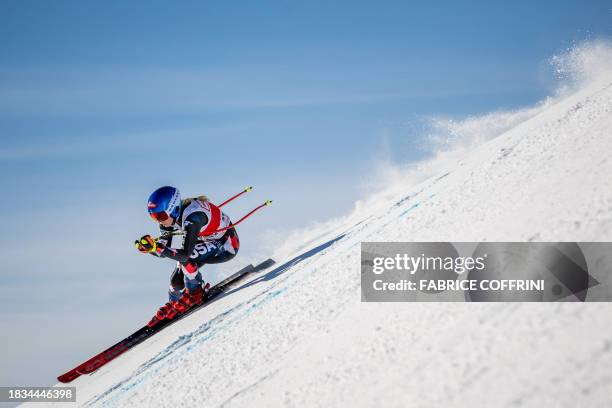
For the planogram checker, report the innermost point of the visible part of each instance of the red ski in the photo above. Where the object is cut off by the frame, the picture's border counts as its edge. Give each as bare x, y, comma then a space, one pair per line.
145, 332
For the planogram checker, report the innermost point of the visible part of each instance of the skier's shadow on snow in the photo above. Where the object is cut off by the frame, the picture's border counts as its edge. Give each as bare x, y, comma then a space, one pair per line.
287, 265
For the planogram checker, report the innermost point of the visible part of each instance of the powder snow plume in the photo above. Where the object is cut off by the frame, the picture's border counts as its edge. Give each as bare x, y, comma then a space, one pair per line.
449, 140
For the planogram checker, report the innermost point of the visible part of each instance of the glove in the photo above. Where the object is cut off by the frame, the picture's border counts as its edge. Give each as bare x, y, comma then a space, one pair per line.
147, 245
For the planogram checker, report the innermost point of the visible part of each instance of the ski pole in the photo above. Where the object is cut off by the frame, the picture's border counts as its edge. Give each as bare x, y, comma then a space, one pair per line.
267, 203
246, 190
232, 225
170, 234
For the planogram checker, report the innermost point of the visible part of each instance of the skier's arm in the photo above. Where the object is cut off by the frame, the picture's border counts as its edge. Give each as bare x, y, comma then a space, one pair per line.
192, 225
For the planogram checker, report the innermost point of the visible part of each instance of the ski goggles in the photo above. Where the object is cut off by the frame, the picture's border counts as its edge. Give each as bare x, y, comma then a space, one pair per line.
160, 216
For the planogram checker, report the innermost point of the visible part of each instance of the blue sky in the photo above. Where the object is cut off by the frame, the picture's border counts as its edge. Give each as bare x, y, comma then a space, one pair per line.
100, 103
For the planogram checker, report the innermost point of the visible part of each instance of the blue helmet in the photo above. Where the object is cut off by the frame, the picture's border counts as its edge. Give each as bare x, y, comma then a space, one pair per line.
164, 202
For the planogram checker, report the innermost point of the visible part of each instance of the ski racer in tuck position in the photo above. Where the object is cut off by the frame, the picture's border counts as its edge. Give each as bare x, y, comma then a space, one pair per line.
209, 238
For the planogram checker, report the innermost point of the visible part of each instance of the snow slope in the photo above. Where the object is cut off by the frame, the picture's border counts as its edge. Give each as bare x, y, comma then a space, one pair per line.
298, 335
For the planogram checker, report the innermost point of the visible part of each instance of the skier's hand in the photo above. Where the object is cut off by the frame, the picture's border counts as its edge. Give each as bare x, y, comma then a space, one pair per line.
146, 245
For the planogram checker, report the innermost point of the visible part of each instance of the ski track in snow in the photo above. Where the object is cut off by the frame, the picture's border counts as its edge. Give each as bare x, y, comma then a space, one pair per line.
298, 335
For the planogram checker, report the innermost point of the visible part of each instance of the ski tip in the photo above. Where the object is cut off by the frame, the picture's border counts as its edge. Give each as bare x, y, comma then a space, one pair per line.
249, 188
268, 202
68, 377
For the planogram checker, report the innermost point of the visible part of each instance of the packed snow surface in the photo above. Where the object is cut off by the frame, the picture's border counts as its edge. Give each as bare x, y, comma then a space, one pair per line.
297, 334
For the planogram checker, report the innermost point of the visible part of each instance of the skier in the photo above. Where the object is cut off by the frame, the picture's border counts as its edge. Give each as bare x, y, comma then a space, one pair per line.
209, 238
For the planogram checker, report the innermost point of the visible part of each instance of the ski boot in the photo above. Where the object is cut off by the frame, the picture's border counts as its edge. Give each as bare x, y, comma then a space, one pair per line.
167, 311
189, 299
